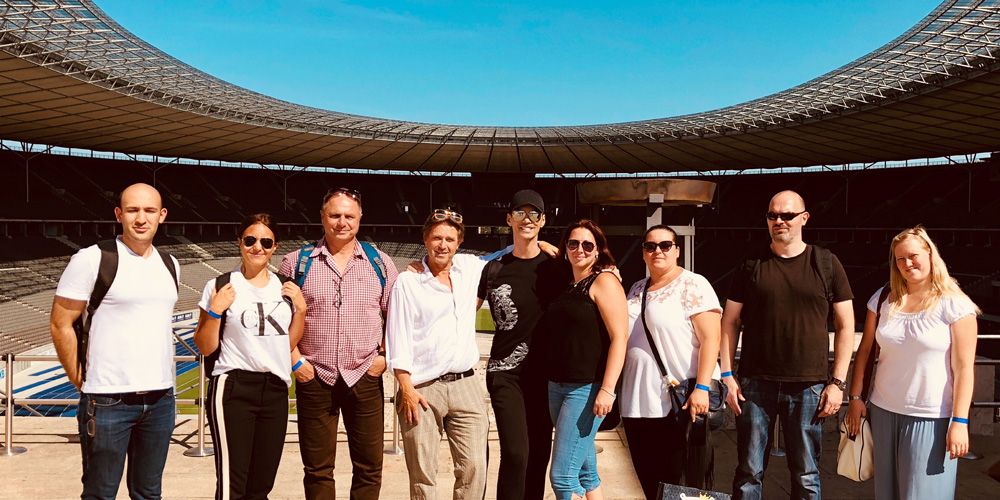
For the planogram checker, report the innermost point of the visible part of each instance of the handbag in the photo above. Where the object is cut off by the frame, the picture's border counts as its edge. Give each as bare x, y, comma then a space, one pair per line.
673, 492
679, 390
855, 455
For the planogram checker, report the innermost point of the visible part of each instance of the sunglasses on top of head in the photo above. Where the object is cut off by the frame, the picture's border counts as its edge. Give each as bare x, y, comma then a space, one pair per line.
353, 193
588, 246
519, 215
785, 216
265, 243
651, 246
442, 214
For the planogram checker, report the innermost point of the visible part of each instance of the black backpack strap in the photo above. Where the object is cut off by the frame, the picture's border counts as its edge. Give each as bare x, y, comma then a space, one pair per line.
210, 358
169, 262
106, 272
493, 268
823, 260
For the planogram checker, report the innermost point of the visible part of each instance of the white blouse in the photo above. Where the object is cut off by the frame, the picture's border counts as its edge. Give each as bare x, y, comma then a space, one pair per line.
668, 314
913, 376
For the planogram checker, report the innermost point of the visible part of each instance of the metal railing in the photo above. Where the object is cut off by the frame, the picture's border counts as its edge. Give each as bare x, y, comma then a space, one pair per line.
204, 451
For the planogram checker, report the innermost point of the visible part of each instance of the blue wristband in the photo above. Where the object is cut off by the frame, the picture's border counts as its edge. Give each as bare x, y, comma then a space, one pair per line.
213, 314
726, 374
703, 387
298, 363
960, 420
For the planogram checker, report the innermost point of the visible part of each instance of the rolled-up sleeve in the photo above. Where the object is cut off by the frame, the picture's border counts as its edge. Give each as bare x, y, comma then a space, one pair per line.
398, 330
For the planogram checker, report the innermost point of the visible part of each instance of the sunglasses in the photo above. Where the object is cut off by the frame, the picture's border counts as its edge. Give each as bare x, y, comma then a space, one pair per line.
442, 214
785, 216
266, 243
588, 246
651, 246
353, 193
519, 215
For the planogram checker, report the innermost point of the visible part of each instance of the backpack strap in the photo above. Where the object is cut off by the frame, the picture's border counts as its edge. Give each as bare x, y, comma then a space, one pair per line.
167, 261
823, 261
376, 261
106, 272
304, 263
866, 382
210, 358
493, 268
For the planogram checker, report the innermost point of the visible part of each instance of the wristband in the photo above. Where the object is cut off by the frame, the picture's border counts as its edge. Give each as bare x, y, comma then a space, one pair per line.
298, 363
726, 374
703, 387
853, 398
213, 314
960, 420
609, 392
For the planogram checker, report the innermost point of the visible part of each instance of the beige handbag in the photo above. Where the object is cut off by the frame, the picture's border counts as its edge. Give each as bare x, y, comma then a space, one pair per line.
855, 456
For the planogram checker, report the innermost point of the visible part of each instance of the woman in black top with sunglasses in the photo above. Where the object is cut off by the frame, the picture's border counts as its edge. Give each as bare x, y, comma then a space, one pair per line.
587, 328
248, 396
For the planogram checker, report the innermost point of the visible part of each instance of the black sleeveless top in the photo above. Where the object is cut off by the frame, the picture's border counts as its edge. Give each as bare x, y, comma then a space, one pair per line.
577, 337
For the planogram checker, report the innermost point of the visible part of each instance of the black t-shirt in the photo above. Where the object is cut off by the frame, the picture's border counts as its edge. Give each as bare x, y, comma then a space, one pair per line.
521, 291
785, 336
578, 338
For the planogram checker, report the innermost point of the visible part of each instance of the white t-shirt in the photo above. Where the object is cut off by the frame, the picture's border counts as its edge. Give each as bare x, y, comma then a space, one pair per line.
913, 376
431, 330
131, 339
250, 341
668, 314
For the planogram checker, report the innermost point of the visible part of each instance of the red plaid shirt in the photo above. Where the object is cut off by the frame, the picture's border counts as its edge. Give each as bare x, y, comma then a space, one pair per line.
342, 341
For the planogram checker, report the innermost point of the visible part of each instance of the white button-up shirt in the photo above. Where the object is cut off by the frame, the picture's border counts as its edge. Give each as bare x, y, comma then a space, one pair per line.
431, 330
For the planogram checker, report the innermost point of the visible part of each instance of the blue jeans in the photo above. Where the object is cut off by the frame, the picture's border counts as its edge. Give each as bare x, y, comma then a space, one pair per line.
796, 405
574, 461
113, 426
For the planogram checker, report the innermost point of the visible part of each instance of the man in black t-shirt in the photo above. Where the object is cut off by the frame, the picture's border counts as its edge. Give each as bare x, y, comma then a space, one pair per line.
518, 288
782, 296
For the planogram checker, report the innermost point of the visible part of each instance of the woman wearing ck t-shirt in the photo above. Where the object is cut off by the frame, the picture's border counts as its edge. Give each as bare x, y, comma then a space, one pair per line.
923, 384
248, 397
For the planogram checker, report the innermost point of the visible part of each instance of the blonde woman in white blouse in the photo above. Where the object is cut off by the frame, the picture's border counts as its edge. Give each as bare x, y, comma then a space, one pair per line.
923, 383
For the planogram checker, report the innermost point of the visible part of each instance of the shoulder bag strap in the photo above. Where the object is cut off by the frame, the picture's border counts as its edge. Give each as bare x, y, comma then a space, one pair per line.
866, 382
649, 336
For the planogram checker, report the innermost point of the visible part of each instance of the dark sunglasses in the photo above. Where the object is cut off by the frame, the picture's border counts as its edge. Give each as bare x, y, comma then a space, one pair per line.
651, 246
266, 243
519, 215
588, 246
442, 214
353, 193
785, 216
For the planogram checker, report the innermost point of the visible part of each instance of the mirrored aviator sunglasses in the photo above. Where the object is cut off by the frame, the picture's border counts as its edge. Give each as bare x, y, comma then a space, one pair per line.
442, 214
519, 215
588, 246
651, 246
265, 243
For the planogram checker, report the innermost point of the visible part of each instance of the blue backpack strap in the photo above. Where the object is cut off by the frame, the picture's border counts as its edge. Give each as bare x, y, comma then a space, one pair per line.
304, 263
499, 253
376, 261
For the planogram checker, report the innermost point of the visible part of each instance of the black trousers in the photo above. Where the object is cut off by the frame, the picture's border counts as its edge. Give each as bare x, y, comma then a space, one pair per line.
658, 447
521, 407
248, 417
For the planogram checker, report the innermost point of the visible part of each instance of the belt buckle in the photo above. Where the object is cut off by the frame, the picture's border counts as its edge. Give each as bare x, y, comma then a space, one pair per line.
142, 393
449, 377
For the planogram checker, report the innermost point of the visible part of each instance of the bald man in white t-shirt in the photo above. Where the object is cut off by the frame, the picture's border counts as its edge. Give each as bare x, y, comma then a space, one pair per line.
126, 375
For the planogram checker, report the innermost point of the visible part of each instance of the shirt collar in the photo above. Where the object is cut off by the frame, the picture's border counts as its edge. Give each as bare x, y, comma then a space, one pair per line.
426, 275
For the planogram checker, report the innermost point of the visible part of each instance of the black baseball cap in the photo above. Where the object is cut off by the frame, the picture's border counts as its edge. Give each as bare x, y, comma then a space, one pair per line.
527, 197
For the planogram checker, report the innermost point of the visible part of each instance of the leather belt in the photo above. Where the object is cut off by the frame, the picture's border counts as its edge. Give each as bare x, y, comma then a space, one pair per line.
451, 377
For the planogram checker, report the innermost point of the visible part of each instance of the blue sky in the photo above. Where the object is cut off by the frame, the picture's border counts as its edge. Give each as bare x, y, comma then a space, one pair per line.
517, 63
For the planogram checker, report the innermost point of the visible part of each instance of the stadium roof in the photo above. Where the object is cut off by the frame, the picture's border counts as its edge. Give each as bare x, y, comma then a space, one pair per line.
72, 77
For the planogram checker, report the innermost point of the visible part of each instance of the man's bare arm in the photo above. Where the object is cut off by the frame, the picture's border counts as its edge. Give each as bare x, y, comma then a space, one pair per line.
64, 313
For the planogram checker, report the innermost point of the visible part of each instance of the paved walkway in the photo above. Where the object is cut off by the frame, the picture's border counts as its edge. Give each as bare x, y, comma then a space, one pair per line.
51, 467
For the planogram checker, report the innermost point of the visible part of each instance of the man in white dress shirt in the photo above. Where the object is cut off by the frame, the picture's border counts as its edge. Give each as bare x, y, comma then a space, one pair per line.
431, 348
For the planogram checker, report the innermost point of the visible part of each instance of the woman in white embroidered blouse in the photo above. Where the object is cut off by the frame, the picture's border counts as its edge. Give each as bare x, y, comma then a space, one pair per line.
923, 383
683, 315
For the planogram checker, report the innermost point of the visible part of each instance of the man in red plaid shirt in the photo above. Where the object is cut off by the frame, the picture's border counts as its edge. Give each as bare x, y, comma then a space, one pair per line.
342, 360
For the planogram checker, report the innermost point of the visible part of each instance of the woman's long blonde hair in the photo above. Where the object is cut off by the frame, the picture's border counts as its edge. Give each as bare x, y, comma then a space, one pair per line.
941, 282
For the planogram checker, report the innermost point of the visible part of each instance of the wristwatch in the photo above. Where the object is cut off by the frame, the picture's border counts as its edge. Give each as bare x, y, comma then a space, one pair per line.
839, 383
